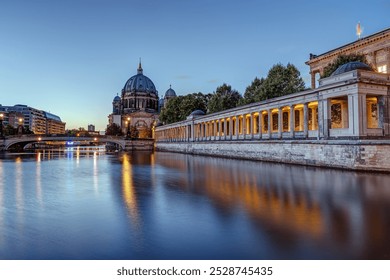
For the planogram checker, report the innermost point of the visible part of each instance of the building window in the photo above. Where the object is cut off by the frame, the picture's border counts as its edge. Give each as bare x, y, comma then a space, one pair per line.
382, 69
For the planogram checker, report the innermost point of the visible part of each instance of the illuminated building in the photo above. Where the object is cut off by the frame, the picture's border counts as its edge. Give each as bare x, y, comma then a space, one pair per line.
353, 103
38, 121
137, 107
375, 48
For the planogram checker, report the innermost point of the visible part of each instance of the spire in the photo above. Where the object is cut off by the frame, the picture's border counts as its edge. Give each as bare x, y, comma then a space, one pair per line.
139, 70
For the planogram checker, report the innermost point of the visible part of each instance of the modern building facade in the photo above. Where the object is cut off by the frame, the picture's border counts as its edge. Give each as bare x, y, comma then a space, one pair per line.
375, 48
38, 121
54, 125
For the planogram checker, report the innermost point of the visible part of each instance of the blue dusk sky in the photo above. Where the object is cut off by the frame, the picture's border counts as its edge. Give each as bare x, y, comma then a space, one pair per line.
72, 57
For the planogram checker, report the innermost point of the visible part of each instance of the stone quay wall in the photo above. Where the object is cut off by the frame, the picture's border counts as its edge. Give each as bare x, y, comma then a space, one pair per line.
352, 154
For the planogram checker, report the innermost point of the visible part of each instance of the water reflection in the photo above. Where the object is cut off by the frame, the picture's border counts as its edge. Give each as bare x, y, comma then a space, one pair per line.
345, 212
83, 204
129, 194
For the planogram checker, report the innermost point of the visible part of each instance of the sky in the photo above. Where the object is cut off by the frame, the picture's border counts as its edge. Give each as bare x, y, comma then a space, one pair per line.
72, 57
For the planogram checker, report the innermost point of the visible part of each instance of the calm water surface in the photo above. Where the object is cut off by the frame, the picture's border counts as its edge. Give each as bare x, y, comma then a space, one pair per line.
85, 204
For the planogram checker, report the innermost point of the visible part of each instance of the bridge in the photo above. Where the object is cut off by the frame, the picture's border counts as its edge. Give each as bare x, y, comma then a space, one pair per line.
120, 142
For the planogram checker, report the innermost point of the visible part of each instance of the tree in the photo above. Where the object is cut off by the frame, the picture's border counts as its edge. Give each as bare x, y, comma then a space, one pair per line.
224, 98
340, 60
252, 92
281, 81
9, 130
179, 107
26, 130
114, 129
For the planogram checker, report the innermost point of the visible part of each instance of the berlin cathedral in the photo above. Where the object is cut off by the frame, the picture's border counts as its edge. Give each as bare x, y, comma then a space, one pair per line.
136, 110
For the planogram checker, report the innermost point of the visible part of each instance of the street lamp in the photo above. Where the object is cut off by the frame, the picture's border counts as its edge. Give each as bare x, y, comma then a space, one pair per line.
128, 127
20, 127
1, 125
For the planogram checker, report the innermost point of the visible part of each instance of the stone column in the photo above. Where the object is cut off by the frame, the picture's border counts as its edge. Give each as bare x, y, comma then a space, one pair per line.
269, 124
192, 136
252, 125
305, 120
280, 122
231, 128
382, 112
215, 129
351, 115
313, 80
222, 128
237, 128
383, 105
260, 125
326, 118
292, 121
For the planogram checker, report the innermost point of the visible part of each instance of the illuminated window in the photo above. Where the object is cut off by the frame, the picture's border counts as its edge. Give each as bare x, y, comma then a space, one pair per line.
382, 69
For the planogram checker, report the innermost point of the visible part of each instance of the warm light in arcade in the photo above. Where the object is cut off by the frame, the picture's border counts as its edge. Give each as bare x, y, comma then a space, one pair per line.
20, 120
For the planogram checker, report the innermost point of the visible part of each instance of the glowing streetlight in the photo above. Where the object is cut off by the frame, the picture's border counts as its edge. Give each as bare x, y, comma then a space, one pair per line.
1, 125
20, 127
128, 127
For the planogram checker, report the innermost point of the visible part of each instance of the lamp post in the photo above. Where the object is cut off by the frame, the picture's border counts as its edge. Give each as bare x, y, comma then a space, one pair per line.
1, 125
128, 127
20, 127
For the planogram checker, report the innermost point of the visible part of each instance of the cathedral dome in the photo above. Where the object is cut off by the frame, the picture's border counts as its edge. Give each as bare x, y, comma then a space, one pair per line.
139, 83
170, 93
117, 99
350, 66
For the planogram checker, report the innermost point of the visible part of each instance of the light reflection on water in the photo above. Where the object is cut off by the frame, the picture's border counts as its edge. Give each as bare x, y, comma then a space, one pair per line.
80, 203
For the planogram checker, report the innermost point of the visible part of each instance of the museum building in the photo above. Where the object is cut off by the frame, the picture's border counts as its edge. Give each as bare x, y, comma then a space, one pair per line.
374, 47
353, 103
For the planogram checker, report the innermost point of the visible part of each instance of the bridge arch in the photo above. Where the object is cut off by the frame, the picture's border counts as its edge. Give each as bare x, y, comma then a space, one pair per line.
25, 140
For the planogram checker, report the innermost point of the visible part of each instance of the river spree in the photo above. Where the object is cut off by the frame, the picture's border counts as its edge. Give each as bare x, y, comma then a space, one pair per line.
85, 204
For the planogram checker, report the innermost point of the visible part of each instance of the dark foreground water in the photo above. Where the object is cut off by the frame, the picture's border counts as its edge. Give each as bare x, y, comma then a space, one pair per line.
84, 204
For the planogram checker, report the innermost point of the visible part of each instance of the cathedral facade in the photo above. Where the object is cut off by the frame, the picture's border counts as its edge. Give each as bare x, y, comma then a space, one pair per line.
136, 110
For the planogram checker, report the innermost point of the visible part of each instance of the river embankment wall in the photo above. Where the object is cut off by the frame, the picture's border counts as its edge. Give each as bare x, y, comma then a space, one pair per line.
364, 155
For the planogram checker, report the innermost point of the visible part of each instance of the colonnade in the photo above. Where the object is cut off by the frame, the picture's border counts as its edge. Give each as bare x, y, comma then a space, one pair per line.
293, 121
354, 115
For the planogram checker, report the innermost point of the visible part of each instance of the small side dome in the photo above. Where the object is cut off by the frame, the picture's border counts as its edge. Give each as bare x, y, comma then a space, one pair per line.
161, 102
197, 113
350, 66
170, 93
117, 99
